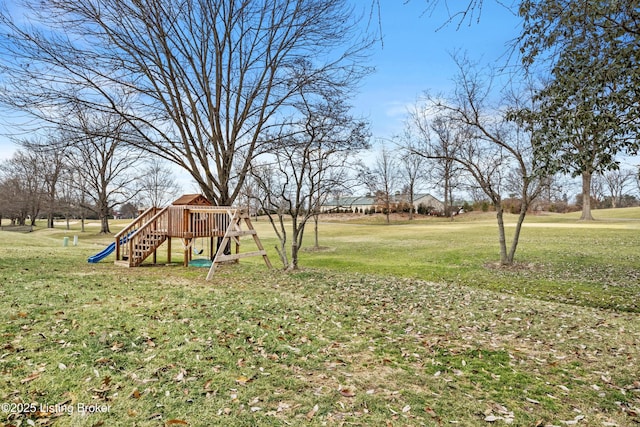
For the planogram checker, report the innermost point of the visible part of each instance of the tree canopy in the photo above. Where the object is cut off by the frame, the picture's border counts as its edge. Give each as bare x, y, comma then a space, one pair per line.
197, 81
589, 108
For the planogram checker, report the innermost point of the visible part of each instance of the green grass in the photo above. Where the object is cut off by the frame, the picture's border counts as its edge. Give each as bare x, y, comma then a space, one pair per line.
558, 258
402, 325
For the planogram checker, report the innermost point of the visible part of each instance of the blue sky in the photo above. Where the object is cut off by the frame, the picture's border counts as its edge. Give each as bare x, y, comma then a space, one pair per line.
414, 57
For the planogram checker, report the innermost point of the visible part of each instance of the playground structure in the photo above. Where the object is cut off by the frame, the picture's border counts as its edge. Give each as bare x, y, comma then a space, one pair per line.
189, 218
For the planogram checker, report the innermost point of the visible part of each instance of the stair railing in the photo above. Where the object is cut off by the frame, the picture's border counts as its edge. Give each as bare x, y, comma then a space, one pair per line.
158, 223
125, 233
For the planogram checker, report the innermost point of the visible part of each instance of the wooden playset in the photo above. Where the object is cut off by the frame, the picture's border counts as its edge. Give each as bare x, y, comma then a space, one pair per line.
189, 218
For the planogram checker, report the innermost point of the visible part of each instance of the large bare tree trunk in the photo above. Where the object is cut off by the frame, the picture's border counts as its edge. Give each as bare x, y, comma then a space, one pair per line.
104, 217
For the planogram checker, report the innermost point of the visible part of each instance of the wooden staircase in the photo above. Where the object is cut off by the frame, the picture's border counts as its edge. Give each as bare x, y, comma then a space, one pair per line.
143, 237
146, 245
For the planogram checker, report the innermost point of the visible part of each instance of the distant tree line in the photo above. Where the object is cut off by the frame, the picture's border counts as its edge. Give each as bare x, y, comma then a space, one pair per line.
92, 178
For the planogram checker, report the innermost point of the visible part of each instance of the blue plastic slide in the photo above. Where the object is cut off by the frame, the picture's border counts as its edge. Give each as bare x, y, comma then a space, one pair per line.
102, 254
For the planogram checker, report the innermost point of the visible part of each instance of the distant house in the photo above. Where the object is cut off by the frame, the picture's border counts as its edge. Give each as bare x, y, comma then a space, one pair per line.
349, 203
362, 203
428, 200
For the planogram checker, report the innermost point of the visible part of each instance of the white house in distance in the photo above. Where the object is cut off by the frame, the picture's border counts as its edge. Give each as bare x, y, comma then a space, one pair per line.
362, 203
429, 201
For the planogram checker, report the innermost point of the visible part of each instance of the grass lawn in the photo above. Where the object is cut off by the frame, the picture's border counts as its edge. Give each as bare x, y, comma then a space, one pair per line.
406, 324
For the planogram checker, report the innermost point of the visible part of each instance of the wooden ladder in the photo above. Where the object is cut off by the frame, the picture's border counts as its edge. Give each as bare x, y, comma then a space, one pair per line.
145, 246
143, 240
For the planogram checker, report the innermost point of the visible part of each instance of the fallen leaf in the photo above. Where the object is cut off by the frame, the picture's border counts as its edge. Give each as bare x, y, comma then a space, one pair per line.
117, 346
312, 412
431, 412
283, 406
242, 380
180, 376
31, 377
176, 422
347, 392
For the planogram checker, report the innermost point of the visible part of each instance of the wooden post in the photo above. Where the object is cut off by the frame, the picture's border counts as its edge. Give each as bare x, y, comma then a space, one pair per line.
186, 243
168, 250
237, 242
187, 236
185, 222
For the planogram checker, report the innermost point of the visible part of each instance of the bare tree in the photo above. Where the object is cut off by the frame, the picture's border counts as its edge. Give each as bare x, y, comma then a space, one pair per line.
25, 190
382, 180
108, 166
307, 161
74, 199
617, 183
158, 186
49, 156
469, 12
198, 81
444, 139
250, 198
412, 167
14, 199
492, 147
